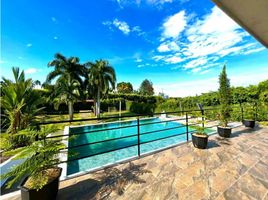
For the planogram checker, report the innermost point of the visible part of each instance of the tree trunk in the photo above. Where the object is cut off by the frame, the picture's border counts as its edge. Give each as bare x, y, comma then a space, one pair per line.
71, 110
98, 103
94, 107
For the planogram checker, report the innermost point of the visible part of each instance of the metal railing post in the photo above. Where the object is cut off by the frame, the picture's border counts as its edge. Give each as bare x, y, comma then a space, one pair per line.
203, 123
187, 128
138, 126
242, 114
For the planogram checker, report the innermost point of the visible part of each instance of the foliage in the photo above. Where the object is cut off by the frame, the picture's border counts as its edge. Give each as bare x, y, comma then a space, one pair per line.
142, 108
106, 103
20, 104
69, 73
124, 87
146, 88
99, 79
225, 97
38, 157
200, 130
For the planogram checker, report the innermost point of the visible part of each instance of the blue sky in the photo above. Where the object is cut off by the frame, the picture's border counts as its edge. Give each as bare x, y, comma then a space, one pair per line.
180, 45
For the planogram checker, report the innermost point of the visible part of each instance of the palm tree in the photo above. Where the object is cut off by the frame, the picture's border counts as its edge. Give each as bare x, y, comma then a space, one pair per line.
66, 92
69, 73
100, 78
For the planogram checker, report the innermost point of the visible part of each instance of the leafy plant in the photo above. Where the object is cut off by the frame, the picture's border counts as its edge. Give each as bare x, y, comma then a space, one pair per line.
200, 129
225, 98
39, 157
20, 103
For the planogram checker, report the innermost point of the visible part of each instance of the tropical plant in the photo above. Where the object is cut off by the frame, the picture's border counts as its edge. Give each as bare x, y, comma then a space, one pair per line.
146, 87
69, 73
224, 97
19, 102
200, 128
99, 79
39, 158
66, 92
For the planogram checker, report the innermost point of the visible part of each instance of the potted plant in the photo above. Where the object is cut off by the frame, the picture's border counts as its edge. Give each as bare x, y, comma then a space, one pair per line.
250, 117
39, 166
225, 101
200, 137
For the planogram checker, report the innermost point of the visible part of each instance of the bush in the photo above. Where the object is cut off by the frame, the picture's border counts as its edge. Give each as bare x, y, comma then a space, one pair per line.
142, 108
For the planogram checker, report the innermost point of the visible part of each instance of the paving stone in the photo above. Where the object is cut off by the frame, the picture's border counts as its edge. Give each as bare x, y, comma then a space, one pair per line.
252, 186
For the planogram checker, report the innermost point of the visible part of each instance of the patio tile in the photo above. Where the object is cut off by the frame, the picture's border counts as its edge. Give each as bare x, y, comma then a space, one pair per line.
232, 168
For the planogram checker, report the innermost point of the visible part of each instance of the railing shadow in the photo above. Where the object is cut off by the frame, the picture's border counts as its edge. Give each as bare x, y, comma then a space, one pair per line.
107, 181
115, 180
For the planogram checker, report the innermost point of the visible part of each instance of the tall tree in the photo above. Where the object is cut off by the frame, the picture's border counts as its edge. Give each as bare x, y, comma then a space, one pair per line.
224, 97
146, 87
69, 73
100, 78
124, 87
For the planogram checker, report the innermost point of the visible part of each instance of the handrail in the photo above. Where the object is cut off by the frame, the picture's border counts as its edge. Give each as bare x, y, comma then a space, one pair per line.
133, 142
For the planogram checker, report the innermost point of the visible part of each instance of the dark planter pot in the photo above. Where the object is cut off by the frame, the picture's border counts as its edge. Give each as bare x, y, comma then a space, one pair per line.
249, 123
48, 192
224, 131
200, 141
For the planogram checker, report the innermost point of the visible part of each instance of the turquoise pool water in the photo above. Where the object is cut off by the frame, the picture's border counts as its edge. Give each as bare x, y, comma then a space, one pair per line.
96, 161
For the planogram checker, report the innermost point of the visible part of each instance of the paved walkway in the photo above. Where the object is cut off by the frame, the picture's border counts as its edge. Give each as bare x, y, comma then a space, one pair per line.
234, 168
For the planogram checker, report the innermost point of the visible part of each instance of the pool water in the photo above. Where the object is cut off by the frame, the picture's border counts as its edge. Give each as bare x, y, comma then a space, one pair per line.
96, 161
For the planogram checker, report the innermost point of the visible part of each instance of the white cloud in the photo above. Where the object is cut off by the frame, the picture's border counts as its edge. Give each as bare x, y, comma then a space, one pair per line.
55, 37
154, 3
29, 45
163, 48
205, 71
31, 71
138, 30
196, 63
206, 39
158, 57
254, 50
168, 46
138, 60
174, 25
122, 26
173, 59
197, 69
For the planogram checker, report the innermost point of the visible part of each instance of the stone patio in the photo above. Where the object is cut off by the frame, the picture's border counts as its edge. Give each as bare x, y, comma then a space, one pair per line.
233, 168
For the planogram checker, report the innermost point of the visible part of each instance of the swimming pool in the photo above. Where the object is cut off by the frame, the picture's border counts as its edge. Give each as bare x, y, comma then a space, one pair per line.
85, 135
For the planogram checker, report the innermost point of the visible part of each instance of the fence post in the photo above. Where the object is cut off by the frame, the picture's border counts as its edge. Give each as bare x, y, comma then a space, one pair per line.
203, 123
187, 128
242, 114
138, 126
